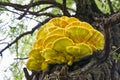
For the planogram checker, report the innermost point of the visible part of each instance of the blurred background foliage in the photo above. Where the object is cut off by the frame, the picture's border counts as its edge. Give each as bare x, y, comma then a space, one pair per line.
11, 27
103, 5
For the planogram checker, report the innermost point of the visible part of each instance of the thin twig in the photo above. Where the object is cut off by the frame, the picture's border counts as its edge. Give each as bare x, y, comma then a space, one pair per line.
4, 43
4, 38
24, 16
46, 8
37, 3
20, 58
65, 11
25, 12
110, 6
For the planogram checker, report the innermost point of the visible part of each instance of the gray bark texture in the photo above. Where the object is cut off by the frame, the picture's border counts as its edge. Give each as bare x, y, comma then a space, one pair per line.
108, 70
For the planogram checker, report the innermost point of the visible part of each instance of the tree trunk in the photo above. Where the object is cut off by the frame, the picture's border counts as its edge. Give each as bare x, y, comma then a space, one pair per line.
94, 70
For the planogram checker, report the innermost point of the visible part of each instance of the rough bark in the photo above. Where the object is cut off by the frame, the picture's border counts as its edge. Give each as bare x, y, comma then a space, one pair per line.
108, 70
115, 35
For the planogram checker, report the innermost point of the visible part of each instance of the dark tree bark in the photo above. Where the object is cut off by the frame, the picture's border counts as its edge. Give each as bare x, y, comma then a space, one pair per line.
107, 70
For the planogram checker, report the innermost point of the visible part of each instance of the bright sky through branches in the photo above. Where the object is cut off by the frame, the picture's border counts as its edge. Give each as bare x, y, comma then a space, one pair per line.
8, 58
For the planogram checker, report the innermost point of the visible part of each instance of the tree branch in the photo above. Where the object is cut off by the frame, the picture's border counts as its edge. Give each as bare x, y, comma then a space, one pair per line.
19, 14
3, 38
16, 6
4, 43
107, 23
78, 7
54, 3
25, 12
27, 76
113, 19
65, 11
36, 14
46, 8
22, 35
37, 3
110, 6
21, 58
45, 14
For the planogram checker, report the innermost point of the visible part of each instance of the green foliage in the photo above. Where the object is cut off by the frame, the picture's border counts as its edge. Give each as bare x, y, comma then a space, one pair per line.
21, 50
16, 29
55, 11
12, 30
70, 3
116, 5
4, 0
104, 7
17, 70
115, 53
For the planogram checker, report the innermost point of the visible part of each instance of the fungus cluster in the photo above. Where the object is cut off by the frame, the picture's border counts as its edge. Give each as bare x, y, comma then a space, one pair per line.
63, 40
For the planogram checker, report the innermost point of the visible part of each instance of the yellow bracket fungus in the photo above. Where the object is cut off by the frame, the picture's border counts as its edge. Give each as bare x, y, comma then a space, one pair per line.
78, 34
51, 56
63, 40
79, 51
60, 44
